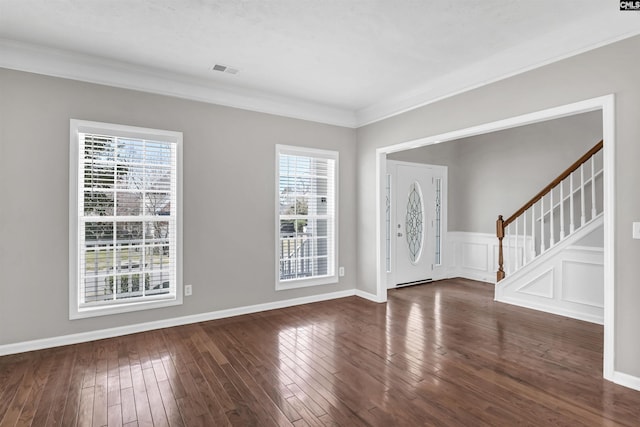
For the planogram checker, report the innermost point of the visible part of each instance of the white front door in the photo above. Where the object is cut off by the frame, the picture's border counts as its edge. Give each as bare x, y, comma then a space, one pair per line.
413, 228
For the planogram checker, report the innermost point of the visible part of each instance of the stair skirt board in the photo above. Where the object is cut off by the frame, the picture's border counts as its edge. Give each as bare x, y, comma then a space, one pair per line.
570, 283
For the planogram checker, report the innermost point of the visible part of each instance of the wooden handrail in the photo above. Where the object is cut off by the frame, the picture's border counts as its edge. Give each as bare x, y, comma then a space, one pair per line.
502, 224
555, 182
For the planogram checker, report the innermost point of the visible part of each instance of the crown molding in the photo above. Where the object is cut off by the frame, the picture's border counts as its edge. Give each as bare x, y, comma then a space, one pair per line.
583, 36
93, 69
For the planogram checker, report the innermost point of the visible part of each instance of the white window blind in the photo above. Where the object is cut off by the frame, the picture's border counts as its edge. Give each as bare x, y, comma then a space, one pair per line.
306, 216
126, 218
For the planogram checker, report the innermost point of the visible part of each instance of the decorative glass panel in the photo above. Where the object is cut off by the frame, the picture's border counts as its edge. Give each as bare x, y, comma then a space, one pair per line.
414, 221
388, 222
438, 220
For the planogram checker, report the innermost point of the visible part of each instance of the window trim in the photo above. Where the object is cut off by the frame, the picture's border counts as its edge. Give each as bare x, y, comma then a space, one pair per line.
84, 126
317, 280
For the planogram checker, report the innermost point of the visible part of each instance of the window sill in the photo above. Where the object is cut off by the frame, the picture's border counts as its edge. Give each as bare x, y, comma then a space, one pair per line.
105, 310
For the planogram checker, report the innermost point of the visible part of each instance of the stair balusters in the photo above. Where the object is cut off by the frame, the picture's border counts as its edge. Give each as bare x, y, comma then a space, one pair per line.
523, 248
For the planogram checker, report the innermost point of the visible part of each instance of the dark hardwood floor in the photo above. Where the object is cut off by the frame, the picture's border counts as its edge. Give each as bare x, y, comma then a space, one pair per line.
436, 354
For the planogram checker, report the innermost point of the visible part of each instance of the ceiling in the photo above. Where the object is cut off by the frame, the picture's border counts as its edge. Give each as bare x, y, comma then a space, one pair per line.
341, 62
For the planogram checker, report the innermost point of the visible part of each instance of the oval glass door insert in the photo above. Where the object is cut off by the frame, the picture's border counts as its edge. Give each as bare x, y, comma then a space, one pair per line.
414, 221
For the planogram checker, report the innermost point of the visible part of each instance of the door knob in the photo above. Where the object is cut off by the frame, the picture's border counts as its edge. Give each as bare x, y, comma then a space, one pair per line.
399, 234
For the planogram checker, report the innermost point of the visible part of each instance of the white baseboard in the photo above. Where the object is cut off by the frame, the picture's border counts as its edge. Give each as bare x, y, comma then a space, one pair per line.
560, 311
167, 323
369, 296
626, 380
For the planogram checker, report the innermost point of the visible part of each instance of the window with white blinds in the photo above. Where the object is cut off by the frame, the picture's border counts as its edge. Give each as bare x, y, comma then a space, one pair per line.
306, 206
125, 218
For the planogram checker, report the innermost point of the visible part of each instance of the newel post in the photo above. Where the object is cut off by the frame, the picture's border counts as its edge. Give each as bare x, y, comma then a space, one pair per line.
500, 234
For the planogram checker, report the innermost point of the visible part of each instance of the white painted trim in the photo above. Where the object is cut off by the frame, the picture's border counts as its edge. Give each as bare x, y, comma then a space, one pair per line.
555, 310
456, 267
438, 171
86, 68
503, 65
456, 242
282, 285
369, 296
625, 380
606, 105
557, 265
565, 244
609, 207
166, 323
584, 106
381, 271
38, 59
75, 194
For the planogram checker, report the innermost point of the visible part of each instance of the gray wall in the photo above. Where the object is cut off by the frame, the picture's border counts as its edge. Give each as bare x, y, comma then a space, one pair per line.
496, 173
229, 236
611, 69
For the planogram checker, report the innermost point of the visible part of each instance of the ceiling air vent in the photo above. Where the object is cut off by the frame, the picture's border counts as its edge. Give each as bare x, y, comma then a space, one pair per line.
225, 69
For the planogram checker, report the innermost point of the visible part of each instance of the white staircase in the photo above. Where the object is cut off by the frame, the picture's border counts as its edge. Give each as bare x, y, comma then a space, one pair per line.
551, 250
567, 280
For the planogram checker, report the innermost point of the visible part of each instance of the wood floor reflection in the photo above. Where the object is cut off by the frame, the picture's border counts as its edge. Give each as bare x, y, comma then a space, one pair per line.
436, 354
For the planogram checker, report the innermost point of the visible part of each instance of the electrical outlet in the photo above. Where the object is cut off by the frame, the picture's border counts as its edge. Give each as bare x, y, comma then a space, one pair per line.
636, 230
341, 271
188, 290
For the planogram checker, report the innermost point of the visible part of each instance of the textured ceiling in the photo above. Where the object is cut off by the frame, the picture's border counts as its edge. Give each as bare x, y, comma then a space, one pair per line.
365, 58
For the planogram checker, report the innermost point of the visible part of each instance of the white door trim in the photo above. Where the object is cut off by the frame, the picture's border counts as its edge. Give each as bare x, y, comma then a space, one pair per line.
604, 103
439, 271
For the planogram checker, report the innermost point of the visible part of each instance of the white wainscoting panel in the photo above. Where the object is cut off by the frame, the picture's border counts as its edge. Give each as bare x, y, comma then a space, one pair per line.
470, 255
540, 286
475, 255
569, 283
580, 282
